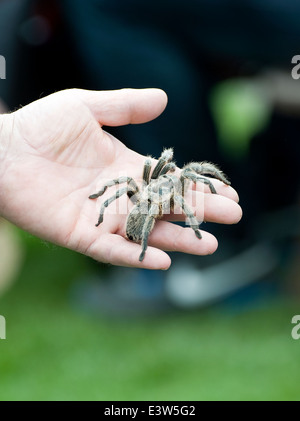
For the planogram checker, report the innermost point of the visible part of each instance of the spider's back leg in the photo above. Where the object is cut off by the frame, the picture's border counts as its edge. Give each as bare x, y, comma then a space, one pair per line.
132, 193
194, 224
110, 183
147, 228
107, 202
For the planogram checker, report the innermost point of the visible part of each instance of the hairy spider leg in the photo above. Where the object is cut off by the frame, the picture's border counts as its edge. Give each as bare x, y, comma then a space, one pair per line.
107, 202
147, 228
207, 168
165, 157
173, 186
168, 167
147, 169
194, 224
189, 175
110, 183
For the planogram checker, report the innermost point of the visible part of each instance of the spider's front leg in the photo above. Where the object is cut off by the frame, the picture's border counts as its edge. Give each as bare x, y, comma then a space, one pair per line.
146, 171
164, 159
190, 175
195, 171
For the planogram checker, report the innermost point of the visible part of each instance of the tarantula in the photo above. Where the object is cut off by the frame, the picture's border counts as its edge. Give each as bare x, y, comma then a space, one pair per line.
159, 194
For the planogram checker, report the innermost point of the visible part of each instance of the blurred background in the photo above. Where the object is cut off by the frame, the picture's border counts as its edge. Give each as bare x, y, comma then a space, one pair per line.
80, 330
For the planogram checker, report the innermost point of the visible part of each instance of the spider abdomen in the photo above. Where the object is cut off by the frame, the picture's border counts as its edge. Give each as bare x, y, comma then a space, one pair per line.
140, 221
134, 226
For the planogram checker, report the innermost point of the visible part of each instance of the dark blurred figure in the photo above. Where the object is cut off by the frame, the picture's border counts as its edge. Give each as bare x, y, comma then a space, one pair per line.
185, 48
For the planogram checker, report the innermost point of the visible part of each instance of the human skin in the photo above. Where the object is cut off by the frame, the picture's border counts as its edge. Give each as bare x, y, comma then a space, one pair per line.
54, 153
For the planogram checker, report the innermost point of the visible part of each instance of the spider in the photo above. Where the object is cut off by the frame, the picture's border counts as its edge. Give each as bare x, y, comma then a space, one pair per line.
160, 192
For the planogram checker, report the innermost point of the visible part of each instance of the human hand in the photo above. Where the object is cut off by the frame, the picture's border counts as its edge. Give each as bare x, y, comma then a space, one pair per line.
54, 154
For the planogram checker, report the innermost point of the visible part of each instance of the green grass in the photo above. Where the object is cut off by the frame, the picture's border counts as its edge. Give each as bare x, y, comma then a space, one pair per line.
55, 351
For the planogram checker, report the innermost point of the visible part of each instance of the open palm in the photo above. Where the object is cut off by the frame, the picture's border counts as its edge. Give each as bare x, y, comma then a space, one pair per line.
56, 154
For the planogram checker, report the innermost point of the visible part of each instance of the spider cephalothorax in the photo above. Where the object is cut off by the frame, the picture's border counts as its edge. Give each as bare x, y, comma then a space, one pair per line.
160, 192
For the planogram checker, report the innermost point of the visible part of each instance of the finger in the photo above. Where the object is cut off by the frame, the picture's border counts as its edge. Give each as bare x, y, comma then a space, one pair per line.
124, 106
116, 250
220, 209
171, 237
221, 188
209, 208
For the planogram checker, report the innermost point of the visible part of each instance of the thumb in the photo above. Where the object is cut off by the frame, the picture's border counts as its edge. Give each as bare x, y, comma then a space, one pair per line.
124, 106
